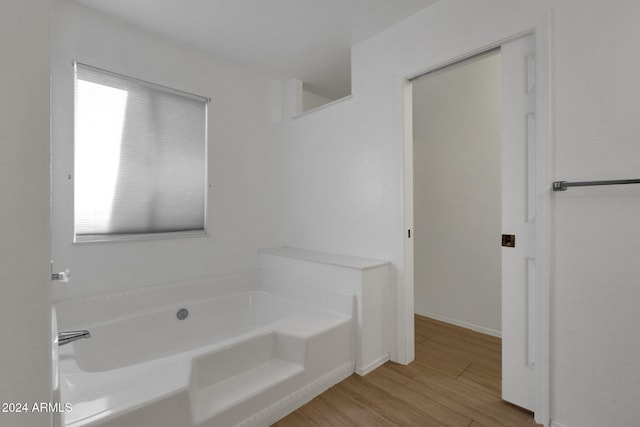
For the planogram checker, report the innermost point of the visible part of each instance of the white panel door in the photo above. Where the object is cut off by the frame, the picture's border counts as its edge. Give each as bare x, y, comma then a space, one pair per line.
518, 220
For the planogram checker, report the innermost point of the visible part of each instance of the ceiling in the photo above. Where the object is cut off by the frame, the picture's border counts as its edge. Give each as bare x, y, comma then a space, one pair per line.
305, 39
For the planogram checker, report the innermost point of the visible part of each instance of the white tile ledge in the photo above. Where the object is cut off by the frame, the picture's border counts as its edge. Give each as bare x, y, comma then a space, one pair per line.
326, 258
152, 289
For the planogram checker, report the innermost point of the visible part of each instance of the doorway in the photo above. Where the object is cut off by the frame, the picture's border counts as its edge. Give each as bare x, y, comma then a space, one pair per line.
457, 197
523, 271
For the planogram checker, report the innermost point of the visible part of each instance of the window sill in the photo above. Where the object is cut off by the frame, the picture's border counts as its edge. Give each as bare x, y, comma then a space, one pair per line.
108, 238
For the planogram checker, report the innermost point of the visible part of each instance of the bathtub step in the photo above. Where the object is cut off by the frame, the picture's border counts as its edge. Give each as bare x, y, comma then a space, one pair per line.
243, 375
239, 388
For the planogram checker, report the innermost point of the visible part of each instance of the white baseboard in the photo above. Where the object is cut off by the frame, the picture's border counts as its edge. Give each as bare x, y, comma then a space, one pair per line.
467, 325
555, 424
373, 365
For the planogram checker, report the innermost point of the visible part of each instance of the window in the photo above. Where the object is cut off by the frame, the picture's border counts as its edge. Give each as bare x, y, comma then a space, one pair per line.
139, 158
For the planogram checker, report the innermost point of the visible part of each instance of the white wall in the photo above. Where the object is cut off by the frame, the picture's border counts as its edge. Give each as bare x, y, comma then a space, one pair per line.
311, 100
597, 123
245, 158
344, 178
457, 198
25, 290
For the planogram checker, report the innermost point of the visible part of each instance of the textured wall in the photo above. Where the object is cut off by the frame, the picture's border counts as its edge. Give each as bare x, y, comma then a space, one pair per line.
25, 289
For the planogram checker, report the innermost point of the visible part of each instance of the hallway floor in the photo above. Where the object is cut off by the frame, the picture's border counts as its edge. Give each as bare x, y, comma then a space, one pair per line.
453, 381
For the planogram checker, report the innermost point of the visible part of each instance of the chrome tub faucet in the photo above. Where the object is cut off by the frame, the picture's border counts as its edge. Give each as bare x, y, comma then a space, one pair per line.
71, 336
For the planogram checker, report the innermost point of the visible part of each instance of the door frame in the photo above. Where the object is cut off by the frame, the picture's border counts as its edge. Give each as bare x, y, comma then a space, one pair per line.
405, 343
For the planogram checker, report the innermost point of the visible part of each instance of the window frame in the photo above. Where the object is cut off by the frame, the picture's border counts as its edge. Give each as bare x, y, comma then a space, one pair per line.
124, 237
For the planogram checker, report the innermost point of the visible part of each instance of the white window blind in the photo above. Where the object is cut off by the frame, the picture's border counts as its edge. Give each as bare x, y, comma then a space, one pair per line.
139, 157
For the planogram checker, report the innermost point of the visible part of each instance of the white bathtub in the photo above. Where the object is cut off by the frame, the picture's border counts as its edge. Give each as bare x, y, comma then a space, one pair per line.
246, 358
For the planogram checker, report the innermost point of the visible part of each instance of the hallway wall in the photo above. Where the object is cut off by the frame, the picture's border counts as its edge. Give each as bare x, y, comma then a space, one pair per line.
457, 198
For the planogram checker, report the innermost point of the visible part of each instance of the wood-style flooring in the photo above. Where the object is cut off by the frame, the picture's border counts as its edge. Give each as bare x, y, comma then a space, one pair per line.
453, 381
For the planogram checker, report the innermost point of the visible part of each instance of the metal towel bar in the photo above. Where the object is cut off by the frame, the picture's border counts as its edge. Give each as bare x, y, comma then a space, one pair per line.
563, 185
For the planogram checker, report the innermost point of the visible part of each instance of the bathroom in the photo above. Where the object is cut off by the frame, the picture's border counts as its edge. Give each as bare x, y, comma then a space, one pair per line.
330, 180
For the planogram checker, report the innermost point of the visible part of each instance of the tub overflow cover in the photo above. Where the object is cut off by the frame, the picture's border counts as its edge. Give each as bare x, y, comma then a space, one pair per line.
182, 313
